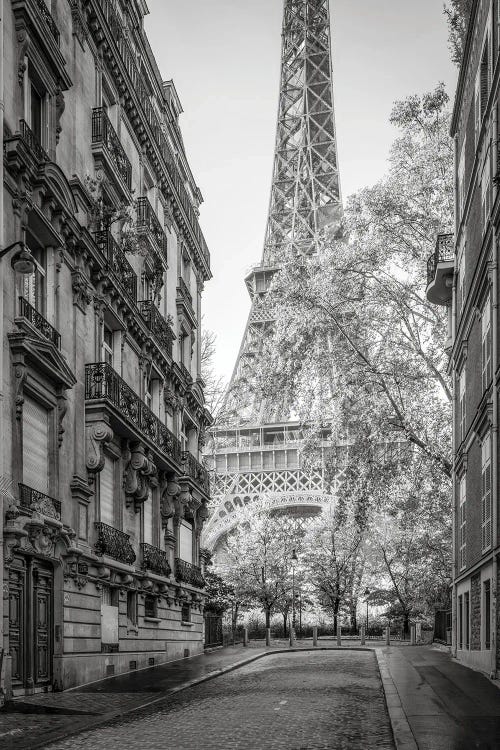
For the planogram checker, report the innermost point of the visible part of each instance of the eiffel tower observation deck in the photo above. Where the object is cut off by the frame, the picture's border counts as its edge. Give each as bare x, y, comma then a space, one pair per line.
257, 451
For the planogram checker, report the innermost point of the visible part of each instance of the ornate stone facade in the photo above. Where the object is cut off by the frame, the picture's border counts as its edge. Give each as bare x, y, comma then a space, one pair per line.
103, 403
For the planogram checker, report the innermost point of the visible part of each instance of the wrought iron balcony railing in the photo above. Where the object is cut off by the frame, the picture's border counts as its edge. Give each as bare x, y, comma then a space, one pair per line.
49, 21
157, 324
32, 142
102, 382
188, 573
38, 321
104, 132
40, 502
195, 471
149, 224
117, 262
185, 372
129, 59
444, 252
155, 559
184, 291
114, 543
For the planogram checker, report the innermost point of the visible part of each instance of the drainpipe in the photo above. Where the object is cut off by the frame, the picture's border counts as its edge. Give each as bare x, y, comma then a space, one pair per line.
2, 659
453, 433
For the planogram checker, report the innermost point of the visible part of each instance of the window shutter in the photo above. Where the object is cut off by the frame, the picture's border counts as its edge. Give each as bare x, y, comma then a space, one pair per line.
148, 519
107, 491
477, 108
186, 542
35, 445
486, 506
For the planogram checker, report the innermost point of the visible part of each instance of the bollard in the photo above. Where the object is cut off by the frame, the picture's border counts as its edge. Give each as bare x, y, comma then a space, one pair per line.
315, 636
413, 639
268, 636
387, 636
245, 636
339, 635
363, 637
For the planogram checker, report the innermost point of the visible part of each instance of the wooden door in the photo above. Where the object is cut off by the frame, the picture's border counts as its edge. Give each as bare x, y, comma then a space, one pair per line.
31, 586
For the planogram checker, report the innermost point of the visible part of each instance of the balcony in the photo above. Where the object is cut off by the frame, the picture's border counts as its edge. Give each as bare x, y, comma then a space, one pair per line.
113, 543
102, 383
105, 142
32, 142
157, 324
440, 270
48, 20
33, 500
37, 320
117, 262
185, 374
155, 560
188, 573
184, 302
195, 471
149, 226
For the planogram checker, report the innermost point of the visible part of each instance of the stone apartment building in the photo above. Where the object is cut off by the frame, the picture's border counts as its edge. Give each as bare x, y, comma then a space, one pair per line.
463, 274
102, 415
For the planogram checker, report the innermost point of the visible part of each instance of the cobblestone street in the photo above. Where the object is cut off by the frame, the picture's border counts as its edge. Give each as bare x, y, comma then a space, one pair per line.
286, 701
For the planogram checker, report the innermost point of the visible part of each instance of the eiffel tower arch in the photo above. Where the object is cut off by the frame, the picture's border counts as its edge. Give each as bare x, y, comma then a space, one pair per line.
257, 452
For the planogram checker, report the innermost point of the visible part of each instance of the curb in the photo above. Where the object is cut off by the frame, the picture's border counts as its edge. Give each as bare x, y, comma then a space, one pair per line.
401, 730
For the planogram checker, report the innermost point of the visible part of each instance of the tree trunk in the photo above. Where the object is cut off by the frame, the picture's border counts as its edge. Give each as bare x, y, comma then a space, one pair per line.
284, 625
267, 610
406, 623
336, 606
354, 622
235, 615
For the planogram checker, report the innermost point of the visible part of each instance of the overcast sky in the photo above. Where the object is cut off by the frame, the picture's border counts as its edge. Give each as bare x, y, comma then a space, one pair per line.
224, 58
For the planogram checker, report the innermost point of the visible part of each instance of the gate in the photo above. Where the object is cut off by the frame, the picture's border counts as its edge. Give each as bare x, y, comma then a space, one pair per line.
213, 631
442, 626
31, 584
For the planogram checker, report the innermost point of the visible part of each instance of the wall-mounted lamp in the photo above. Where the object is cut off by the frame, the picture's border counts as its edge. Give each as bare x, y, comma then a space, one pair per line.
22, 261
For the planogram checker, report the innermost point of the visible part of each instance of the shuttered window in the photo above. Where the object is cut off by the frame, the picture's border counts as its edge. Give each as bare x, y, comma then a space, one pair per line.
485, 76
462, 523
186, 542
35, 445
106, 492
486, 192
148, 519
462, 403
486, 494
486, 344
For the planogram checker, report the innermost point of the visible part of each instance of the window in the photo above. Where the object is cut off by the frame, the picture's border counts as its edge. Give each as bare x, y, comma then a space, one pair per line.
186, 541
34, 284
486, 192
461, 281
487, 613
107, 492
150, 606
485, 75
486, 344
35, 445
462, 403
132, 608
148, 391
462, 544
107, 346
486, 493
461, 183
460, 623
186, 613
466, 620
148, 519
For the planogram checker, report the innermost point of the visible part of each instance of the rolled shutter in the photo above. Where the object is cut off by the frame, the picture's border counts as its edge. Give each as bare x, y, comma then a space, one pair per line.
35, 445
106, 492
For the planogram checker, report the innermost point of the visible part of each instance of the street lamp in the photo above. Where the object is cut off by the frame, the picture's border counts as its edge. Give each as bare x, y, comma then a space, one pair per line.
22, 261
294, 560
367, 594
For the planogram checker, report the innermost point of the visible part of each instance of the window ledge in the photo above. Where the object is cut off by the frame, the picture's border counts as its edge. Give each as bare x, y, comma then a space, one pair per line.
187, 624
152, 619
132, 629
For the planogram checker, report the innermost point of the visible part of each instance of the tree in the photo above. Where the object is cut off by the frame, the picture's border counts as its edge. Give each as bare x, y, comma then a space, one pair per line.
457, 14
214, 384
257, 560
219, 594
333, 559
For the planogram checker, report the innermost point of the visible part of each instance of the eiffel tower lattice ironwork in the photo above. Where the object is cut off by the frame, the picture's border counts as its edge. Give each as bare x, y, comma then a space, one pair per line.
258, 457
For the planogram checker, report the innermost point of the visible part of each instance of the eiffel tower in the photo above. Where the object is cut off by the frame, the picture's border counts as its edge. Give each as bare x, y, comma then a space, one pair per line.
257, 453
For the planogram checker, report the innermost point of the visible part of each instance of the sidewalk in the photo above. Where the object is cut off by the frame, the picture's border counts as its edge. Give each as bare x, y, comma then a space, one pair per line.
433, 702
